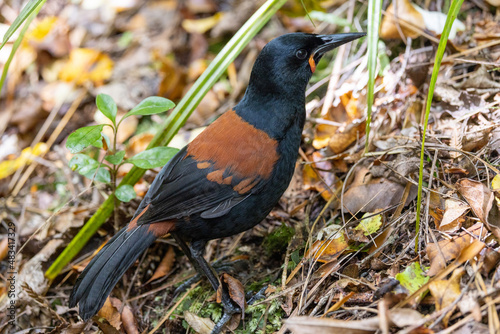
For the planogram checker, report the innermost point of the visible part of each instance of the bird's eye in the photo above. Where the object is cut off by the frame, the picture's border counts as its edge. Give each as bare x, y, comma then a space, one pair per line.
301, 54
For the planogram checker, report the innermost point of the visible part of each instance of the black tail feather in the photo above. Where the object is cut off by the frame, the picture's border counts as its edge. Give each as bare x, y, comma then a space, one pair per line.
102, 273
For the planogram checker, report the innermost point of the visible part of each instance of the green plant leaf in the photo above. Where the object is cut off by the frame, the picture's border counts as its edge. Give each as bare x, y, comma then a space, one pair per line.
99, 143
413, 277
125, 193
116, 158
154, 157
84, 137
16, 45
23, 16
107, 106
83, 164
88, 167
151, 105
101, 174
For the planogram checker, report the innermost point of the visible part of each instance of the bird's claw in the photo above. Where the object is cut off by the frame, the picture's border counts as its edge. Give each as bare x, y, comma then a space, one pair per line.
259, 295
229, 310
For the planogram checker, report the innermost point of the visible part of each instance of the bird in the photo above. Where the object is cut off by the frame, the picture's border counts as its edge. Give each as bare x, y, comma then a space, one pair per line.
227, 179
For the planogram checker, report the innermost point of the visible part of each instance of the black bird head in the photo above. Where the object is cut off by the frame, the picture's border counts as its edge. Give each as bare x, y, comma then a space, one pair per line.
286, 64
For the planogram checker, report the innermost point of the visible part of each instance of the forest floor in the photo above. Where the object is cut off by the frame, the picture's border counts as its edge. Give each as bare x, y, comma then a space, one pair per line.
341, 251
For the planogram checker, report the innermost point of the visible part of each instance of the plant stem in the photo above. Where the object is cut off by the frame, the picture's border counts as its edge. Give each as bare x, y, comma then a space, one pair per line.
113, 182
450, 18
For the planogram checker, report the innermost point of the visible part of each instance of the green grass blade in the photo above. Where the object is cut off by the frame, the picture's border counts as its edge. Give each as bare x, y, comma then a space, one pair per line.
374, 12
452, 15
173, 123
23, 16
16, 45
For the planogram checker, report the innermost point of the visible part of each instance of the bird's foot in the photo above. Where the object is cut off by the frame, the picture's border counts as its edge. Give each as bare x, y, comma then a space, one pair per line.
259, 295
220, 266
229, 310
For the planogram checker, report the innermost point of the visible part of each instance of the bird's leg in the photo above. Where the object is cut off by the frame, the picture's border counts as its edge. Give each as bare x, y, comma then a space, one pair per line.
219, 267
197, 249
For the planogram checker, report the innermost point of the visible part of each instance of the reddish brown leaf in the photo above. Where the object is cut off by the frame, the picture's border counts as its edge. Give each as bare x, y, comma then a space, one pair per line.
129, 321
480, 199
4, 248
111, 314
235, 289
451, 249
165, 265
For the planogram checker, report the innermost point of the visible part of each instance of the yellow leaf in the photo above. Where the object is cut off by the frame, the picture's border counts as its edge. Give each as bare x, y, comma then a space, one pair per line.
10, 166
369, 225
327, 250
495, 183
87, 65
201, 26
42, 29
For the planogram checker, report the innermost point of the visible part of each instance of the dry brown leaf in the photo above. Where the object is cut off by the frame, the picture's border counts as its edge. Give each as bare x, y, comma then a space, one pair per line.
451, 249
110, 313
477, 195
480, 199
127, 318
327, 250
318, 176
76, 328
322, 135
206, 108
410, 15
403, 317
339, 303
406, 12
339, 142
201, 6
173, 78
380, 239
165, 265
453, 217
129, 322
379, 194
4, 248
200, 325
445, 292
310, 325
490, 260
235, 289
138, 143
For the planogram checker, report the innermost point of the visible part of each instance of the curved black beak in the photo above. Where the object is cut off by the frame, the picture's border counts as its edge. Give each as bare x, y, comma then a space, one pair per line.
333, 41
